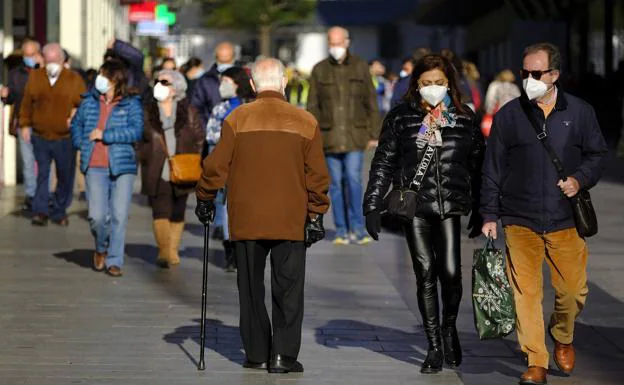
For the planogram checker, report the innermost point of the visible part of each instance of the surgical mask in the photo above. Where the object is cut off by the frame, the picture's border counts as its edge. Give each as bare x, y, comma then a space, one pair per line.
161, 92
53, 69
433, 94
30, 61
227, 90
403, 74
337, 52
222, 67
534, 89
102, 84
198, 74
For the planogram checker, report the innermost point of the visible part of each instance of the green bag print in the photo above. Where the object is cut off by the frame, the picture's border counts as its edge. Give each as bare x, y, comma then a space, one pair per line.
492, 296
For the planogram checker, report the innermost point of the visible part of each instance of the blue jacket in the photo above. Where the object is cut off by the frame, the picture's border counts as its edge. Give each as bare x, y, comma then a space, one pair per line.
124, 128
519, 180
206, 94
400, 90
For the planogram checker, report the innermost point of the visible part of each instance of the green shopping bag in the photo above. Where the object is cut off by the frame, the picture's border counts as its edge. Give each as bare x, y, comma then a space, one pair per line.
492, 296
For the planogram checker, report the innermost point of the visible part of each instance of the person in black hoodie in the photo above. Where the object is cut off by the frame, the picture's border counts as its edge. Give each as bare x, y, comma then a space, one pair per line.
432, 116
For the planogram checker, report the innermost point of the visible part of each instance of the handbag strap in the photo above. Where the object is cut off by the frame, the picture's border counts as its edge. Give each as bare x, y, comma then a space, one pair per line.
542, 136
161, 139
422, 168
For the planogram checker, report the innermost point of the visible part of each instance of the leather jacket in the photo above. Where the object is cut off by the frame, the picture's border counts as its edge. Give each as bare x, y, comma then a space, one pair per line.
452, 181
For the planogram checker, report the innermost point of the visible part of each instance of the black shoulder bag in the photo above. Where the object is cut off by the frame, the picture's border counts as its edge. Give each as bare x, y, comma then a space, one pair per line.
582, 207
400, 204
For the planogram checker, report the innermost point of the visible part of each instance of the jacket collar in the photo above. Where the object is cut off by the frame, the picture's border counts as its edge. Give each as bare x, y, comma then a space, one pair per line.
345, 62
560, 105
95, 95
271, 94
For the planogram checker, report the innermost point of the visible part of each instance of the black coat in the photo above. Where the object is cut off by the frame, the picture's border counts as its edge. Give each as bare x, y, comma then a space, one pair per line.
446, 188
519, 179
16, 85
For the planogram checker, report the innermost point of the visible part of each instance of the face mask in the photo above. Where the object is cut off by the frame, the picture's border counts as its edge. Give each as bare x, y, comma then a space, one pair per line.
30, 61
337, 52
534, 89
227, 90
403, 73
102, 84
223, 67
433, 94
161, 92
53, 69
198, 74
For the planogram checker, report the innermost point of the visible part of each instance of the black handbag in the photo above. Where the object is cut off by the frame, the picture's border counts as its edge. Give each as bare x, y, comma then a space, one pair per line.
400, 204
583, 211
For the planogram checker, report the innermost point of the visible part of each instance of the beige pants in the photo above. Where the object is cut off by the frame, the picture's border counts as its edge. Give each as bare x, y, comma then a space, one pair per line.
566, 255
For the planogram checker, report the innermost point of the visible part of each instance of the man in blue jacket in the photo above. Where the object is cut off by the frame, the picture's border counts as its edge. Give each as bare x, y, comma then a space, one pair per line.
521, 188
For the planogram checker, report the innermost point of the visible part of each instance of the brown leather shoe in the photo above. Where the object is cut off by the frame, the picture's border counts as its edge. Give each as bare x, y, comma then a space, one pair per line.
114, 271
565, 357
534, 375
98, 261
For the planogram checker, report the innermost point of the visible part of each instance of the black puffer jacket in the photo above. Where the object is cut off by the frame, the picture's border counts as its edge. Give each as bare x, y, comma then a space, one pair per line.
446, 188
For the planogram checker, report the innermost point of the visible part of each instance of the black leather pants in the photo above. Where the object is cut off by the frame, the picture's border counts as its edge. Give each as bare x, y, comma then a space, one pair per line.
434, 245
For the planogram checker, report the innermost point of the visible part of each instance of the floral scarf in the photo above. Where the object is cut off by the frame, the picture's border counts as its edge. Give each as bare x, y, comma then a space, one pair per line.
430, 132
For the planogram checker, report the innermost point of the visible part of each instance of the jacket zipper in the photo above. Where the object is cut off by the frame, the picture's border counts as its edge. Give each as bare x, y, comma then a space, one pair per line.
439, 185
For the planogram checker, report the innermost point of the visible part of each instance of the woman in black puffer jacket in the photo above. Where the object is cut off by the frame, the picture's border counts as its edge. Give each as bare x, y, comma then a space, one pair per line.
433, 115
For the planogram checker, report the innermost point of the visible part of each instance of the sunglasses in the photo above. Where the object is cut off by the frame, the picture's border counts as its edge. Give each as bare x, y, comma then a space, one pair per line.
537, 75
164, 82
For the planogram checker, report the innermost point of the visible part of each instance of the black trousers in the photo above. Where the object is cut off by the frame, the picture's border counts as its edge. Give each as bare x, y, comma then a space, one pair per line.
166, 204
434, 245
287, 280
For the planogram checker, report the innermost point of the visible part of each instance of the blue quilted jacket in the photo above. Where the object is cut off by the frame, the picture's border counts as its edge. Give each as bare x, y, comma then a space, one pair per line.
124, 128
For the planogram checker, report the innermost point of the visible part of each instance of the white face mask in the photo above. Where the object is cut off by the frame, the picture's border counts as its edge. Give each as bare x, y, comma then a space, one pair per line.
337, 52
403, 74
433, 94
222, 67
53, 69
227, 90
534, 89
102, 84
161, 92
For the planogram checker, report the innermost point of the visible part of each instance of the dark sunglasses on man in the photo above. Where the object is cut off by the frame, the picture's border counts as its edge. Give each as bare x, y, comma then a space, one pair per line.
537, 75
164, 82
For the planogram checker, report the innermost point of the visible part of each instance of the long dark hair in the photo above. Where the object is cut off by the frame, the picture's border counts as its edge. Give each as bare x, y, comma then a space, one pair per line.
241, 79
116, 72
432, 62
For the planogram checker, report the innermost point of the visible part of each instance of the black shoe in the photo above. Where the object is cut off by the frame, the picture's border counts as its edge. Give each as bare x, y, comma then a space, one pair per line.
217, 234
452, 347
255, 365
39, 220
284, 364
433, 362
27, 206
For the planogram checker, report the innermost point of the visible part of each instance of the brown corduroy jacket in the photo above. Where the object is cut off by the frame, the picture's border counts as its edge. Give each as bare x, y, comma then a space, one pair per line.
47, 108
270, 157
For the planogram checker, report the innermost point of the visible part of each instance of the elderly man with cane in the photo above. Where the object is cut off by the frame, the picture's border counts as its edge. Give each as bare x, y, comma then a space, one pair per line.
271, 158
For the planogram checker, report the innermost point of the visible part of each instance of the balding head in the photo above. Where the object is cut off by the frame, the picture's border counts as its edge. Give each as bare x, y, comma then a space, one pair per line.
30, 48
338, 37
268, 75
53, 53
224, 53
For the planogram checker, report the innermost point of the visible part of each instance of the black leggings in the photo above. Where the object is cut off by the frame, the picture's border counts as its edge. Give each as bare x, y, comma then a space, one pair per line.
166, 204
434, 245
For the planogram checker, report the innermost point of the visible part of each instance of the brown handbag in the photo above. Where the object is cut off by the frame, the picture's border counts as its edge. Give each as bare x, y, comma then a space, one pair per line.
184, 168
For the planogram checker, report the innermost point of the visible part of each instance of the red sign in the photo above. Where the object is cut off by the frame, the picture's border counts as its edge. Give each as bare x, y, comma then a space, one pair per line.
142, 12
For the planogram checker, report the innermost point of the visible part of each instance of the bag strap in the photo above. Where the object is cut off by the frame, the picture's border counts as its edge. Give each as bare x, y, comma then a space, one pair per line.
161, 139
542, 136
422, 168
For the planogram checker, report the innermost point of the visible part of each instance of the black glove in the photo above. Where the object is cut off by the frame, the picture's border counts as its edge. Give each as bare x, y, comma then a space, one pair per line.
205, 211
314, 230
373, 224
475, 224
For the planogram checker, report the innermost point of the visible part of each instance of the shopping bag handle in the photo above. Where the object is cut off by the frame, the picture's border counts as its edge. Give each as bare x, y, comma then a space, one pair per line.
489, 243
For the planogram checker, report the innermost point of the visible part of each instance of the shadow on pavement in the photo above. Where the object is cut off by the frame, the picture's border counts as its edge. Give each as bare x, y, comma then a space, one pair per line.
146, 253
80, 257
223, 339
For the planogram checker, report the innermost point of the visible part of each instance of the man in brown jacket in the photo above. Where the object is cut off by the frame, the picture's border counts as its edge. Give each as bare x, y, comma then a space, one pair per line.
52, 94
343, 100
270, 156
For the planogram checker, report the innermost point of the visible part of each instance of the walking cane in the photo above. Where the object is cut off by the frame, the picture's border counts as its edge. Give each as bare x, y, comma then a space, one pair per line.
202, 334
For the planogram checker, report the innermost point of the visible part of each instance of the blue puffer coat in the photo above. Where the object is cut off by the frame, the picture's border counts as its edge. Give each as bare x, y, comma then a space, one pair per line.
124, 128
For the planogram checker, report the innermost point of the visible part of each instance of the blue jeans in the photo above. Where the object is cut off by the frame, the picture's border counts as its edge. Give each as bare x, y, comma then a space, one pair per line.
64, 156
109, 200
28, 167
221, 215
346, 167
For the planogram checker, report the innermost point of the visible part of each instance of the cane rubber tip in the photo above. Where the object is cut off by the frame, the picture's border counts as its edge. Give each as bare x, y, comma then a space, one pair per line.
201, 366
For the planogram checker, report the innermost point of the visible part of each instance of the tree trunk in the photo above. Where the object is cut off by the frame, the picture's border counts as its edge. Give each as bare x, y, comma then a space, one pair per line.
265, 40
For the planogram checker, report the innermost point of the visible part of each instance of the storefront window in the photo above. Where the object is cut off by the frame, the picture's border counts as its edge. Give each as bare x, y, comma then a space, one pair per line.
53, 21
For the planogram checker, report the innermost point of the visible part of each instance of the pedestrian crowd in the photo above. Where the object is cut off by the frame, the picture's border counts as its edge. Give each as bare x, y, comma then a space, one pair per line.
267, 149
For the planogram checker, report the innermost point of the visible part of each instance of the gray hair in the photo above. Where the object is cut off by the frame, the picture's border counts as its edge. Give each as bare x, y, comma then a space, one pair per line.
268, 74
344, 31
54, 48
178, 83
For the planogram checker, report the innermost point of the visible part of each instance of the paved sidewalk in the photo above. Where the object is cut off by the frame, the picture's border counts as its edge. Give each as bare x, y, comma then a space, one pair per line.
63, 323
